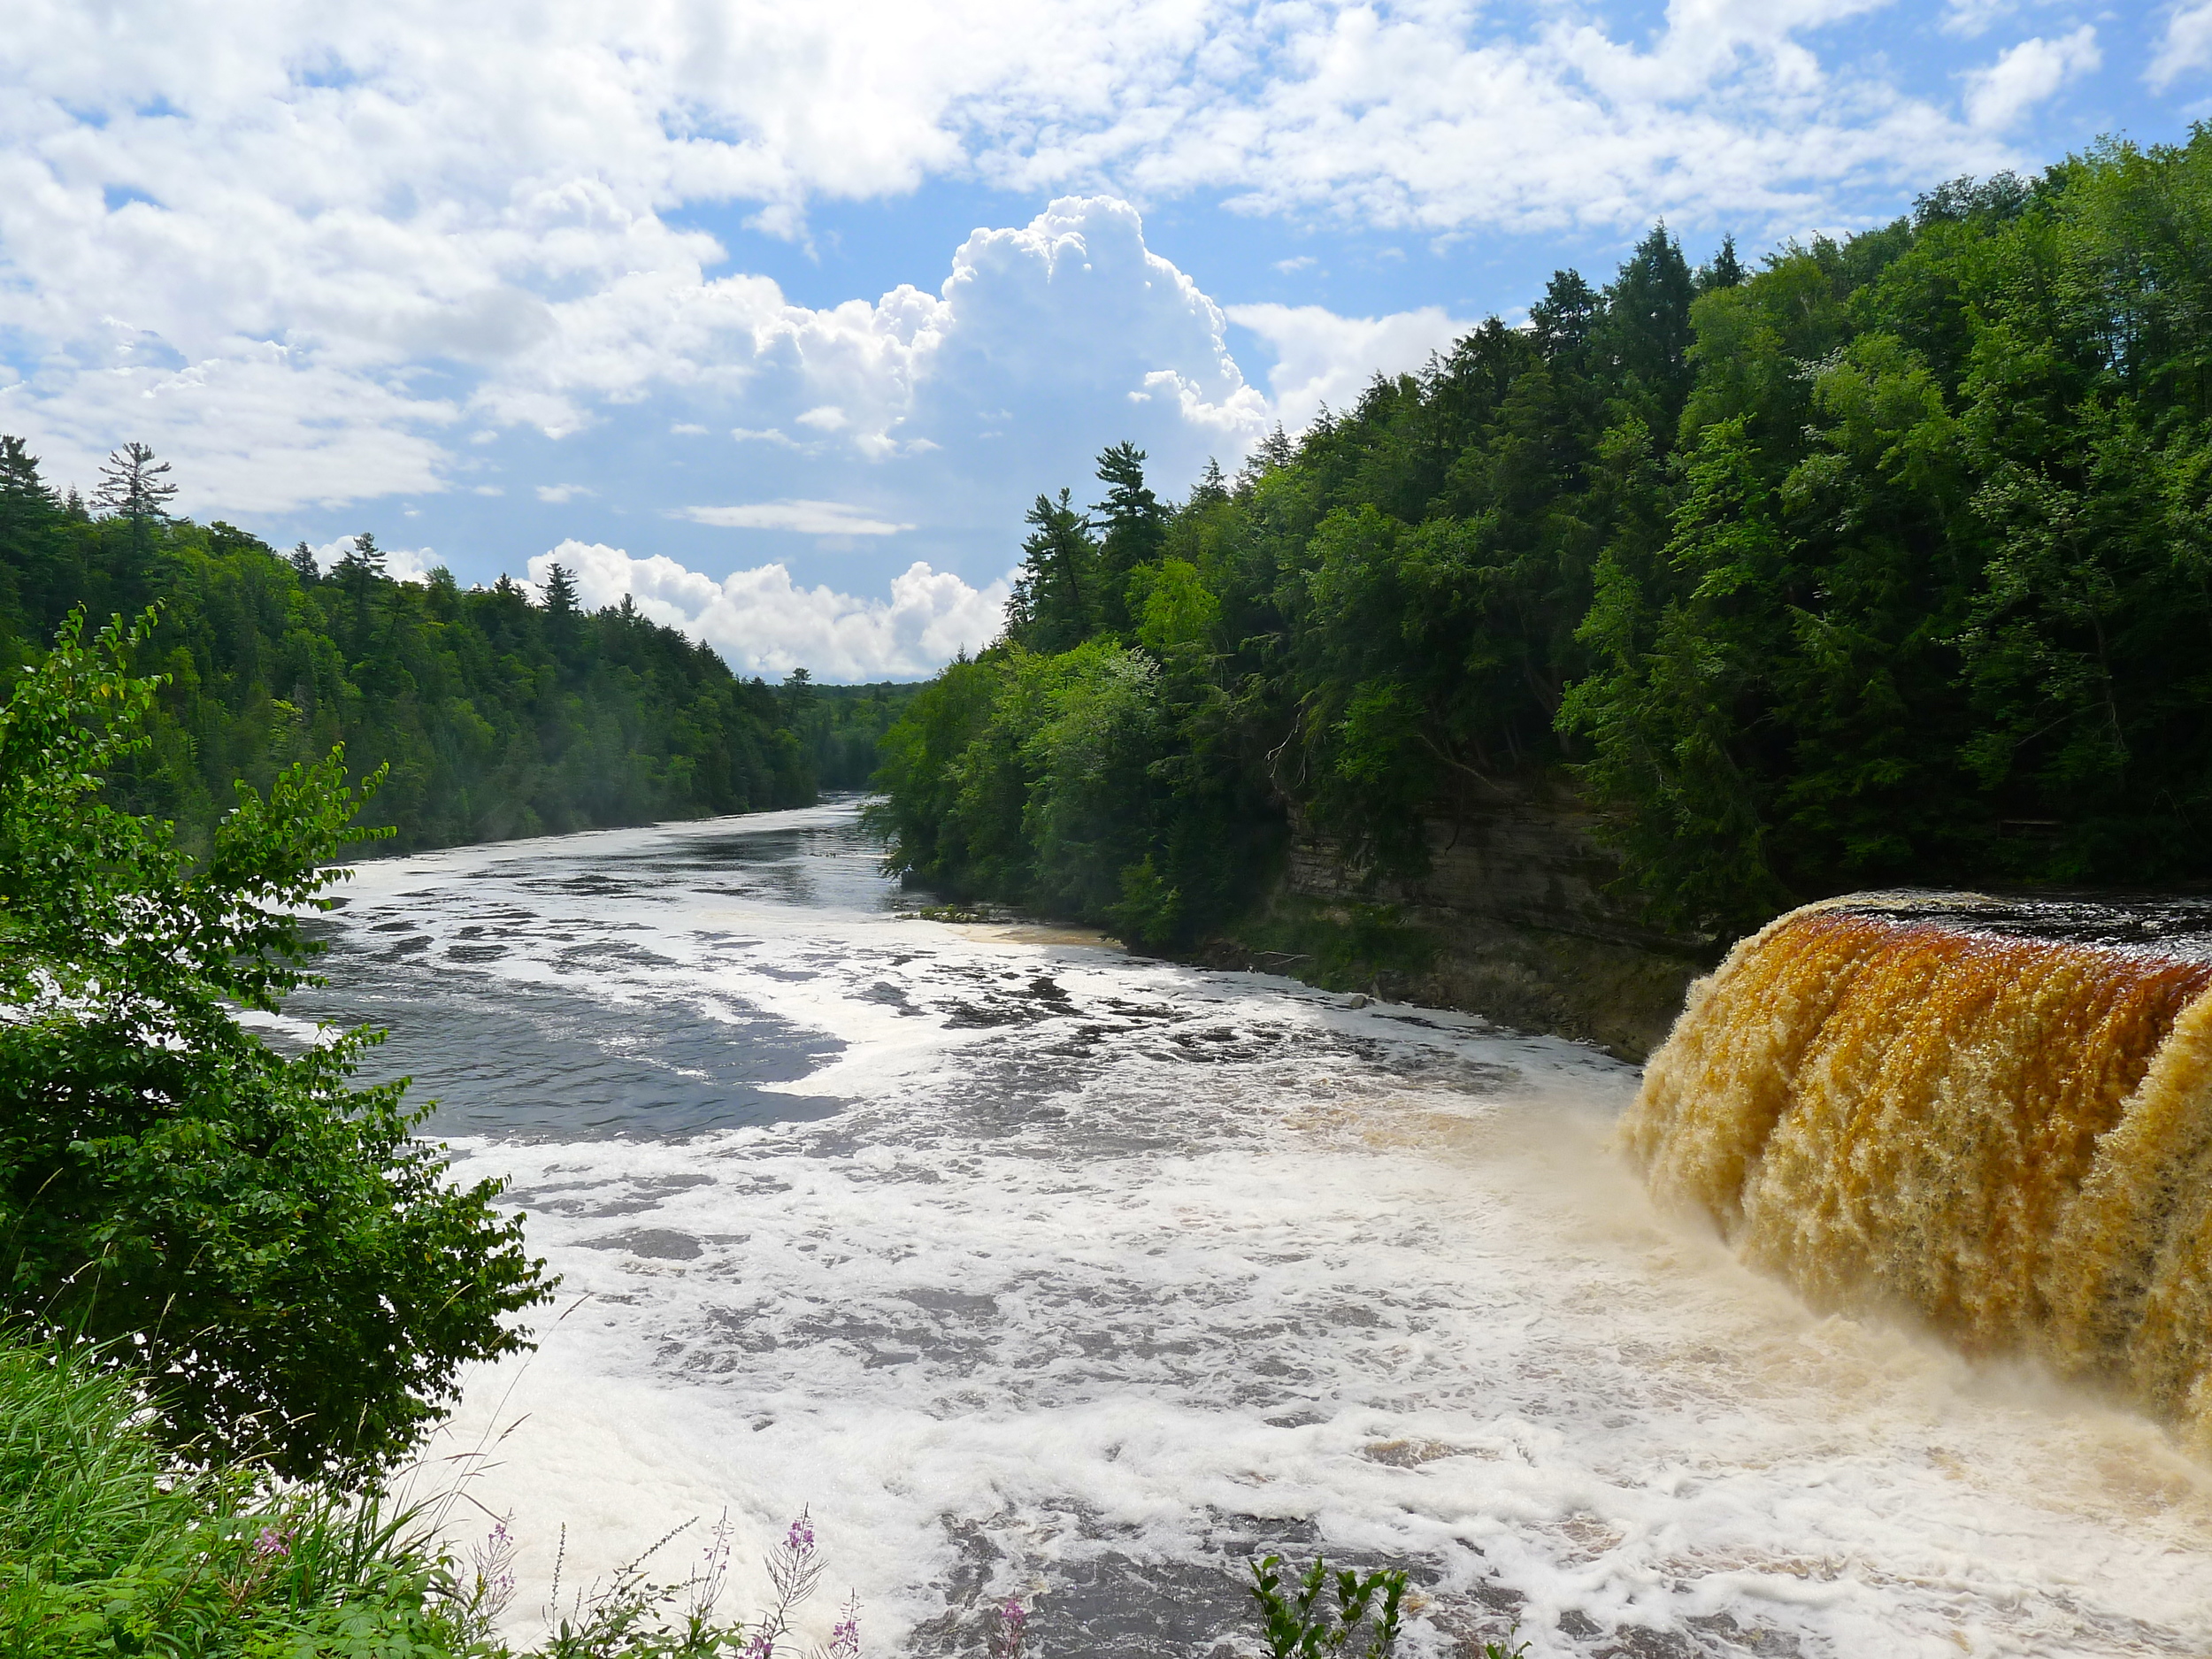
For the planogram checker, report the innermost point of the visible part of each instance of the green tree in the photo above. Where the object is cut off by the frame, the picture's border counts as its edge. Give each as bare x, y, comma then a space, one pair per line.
1057, 599
1133, 527
358, 574
135, 489
285, 1266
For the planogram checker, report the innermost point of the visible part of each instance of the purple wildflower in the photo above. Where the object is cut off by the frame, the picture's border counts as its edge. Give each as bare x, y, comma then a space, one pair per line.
270, 1542
494, 1561
845, 1634
1013, 1625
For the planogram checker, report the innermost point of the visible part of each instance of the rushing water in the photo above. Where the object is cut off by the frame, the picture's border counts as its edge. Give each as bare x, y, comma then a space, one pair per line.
1034, 1267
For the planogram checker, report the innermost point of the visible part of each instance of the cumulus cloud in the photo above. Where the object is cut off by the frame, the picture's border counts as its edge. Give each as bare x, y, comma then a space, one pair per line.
1322, 358
808, 517
560, 494
298, 246
2186, 45
1076, 305
762, 623
2028, 74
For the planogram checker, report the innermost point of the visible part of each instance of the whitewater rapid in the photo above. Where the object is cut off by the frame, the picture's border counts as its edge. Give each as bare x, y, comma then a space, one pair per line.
1032, 1268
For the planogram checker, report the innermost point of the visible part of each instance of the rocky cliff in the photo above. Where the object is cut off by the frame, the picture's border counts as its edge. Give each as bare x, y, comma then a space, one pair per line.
1512, 920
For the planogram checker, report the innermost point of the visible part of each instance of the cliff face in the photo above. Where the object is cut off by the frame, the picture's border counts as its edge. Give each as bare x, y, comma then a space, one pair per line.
1511, 921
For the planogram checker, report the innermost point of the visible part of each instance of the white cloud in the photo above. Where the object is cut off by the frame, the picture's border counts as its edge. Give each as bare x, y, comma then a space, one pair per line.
2027, 75
808, 517
244, 229
828, 418
762, 623
1075, 306
2186, 45
686, 429
1973, 18
258, 430
1323, 357
559, 494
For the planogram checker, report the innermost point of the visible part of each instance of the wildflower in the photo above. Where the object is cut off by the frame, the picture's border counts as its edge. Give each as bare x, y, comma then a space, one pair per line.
270, 1542
845, 1634
1013, 1624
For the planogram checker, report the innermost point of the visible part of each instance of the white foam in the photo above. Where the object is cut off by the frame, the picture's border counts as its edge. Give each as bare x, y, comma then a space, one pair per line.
1044, 1284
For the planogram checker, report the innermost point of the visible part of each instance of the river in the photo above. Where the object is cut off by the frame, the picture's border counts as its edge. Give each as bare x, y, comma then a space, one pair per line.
1029, 1267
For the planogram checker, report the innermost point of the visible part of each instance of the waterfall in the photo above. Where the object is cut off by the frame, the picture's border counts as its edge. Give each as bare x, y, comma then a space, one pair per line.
1992, 1117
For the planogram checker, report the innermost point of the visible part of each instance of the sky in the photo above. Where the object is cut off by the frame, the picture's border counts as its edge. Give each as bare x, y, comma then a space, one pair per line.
776, 316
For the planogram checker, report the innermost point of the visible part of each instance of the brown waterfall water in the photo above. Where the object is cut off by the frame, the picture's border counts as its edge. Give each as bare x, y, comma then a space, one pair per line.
1994, 1118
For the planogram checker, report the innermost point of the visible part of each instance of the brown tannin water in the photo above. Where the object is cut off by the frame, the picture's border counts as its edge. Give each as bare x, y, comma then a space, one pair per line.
1993, 1115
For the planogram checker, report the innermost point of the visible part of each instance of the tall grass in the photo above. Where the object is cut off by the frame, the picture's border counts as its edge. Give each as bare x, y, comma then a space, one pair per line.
106, 1547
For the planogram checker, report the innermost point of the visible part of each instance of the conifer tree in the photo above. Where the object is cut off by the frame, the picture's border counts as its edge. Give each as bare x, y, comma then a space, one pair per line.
1724, 271
134, 488
358, 573
1135, 528
560, 590
1055, 604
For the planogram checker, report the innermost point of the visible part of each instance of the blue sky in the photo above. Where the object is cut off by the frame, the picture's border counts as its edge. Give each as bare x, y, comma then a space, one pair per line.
775, 316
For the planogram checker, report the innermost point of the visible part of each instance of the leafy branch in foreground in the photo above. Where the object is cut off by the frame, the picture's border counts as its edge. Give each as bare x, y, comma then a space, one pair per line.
285, 1267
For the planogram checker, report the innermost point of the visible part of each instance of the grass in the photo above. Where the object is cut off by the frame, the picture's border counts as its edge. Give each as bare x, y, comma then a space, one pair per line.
107, 1549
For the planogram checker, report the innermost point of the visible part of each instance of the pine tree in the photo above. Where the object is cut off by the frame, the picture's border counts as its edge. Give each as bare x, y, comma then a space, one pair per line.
1055, 604
134, 488
1564, 319
1724, 271
1212, 489
561, 612
1271, 454
560, 590
31, 558
1645, 330
358, 573
302, 562
1135, 528
20, 482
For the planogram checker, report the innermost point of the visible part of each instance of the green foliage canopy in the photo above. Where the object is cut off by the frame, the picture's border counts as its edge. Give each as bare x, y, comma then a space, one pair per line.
494, 715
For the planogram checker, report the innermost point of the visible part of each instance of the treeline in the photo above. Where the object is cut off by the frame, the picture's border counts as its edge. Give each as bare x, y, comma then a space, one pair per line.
1888, 561
841, 728
497, 714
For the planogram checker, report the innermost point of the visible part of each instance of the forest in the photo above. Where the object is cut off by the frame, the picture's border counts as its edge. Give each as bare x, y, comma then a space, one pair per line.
491, 712
1885, 559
